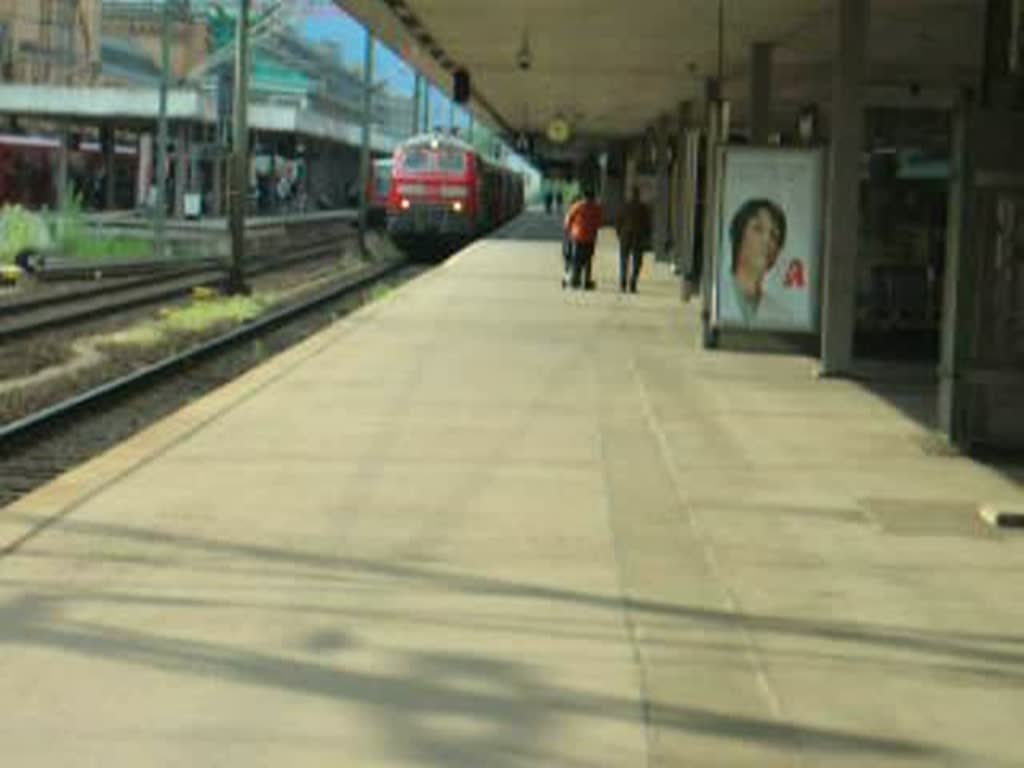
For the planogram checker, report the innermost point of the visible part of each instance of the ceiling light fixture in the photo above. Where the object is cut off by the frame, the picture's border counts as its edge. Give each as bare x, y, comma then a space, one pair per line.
524, 58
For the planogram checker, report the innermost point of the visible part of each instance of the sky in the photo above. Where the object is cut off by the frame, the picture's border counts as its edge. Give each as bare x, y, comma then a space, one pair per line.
325, 22
331, 24
320, 21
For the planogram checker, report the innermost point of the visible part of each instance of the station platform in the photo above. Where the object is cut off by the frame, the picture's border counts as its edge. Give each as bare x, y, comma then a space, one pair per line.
488, 522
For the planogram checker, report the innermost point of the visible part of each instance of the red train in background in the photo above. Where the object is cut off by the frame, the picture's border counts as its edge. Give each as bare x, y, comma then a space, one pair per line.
28, 171
443, 190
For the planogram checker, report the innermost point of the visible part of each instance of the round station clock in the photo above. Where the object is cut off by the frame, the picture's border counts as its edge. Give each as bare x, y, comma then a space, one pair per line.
559, 130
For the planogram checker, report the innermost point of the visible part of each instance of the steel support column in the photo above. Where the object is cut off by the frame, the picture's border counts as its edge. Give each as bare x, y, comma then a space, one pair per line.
997, 55
958, 286
688, 158
238, 182
162, 135
144, 177
761, 55
61, 172
181, 153
195, 143
843, 217
662, 190
715, 127
417, 104
682, 202
217, 185
365, 162
108, 141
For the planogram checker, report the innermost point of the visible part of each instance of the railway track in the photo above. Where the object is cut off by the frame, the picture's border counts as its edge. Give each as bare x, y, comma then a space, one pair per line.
19, 319
42, 445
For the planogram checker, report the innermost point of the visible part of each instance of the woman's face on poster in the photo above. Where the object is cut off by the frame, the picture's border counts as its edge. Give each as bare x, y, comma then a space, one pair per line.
760, 246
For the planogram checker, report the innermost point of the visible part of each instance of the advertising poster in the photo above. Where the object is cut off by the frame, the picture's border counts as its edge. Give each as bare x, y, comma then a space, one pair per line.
770, 246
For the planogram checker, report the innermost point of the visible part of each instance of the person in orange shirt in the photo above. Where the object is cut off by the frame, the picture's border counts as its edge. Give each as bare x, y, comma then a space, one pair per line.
581, 226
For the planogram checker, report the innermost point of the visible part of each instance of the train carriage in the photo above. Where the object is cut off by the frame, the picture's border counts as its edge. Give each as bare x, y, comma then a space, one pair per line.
28, 171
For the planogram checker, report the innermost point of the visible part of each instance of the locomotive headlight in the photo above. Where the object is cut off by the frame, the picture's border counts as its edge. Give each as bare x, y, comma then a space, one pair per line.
405, 204
457, 206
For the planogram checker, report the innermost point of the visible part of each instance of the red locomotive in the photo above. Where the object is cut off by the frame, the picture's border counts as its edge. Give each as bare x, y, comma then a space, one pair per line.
442, 189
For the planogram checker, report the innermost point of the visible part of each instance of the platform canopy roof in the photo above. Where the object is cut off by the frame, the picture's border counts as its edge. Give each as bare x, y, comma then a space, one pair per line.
611, 67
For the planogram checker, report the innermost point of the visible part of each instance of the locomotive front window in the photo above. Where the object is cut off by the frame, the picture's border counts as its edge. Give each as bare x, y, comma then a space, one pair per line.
452, 161
416, 160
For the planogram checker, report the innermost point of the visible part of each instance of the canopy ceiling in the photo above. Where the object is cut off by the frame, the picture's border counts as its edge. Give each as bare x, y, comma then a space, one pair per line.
611, 67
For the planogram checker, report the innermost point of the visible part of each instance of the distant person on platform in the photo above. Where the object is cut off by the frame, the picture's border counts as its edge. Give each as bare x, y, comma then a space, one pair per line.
567, 249
634, 230
581, 225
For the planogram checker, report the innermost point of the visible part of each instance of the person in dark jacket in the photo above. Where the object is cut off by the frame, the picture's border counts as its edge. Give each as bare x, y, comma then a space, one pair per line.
634, 230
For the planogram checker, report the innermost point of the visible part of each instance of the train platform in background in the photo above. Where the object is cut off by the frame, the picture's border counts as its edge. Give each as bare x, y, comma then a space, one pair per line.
210, 237
219, 224
488, 522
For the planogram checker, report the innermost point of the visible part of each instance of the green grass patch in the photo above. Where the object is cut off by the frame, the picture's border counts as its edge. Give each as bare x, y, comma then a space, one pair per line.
196, 318
99, 248
77, 240
65, 231
21, 230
